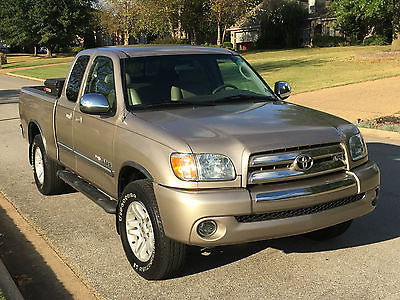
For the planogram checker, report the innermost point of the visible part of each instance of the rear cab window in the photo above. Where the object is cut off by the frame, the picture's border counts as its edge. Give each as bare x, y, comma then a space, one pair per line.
75, 79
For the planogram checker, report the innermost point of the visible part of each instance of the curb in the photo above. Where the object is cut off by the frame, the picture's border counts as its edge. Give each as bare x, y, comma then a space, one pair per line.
380, 134
24, 77
8, 286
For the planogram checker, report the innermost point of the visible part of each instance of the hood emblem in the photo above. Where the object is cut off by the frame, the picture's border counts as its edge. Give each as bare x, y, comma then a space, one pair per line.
303, 162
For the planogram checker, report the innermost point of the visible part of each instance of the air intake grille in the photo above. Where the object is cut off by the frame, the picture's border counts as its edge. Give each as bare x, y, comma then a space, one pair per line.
283, 165
299, 211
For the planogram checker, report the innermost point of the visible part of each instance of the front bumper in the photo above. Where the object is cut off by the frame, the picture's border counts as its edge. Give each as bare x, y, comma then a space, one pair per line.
182, 210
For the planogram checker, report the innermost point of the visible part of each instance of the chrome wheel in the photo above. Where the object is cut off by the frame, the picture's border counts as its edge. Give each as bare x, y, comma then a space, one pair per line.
39, 165
139, 231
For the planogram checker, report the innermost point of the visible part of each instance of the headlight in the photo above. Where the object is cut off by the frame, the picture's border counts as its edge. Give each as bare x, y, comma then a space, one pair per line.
357, 147
202, 167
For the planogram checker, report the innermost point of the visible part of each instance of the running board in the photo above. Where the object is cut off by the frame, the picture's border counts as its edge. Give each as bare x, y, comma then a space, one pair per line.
98, 197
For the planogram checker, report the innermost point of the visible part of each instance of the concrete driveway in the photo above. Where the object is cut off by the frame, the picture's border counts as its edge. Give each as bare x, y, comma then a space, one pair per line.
363, 263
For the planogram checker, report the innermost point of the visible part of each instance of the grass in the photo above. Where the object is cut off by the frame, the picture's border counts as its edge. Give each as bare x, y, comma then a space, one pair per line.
24, 60
57, 71
317, 68
305, 69
2, 297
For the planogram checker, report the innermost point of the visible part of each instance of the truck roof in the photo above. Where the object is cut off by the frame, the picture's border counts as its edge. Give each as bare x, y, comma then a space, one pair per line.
142, 50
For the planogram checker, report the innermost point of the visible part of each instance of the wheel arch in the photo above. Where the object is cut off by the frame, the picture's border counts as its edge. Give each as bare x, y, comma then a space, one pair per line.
33, 130
130, 171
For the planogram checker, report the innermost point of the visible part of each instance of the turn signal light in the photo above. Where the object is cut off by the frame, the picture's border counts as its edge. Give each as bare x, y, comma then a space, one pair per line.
184, 166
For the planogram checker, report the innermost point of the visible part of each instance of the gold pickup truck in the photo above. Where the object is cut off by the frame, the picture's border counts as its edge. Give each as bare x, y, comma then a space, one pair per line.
189, 146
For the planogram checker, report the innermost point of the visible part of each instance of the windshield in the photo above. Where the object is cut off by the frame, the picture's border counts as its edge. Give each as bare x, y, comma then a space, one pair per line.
190, 79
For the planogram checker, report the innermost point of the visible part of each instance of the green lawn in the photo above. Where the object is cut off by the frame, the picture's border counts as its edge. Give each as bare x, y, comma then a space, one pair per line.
57, 71
2, 297
24, 60
305, 69
317, 68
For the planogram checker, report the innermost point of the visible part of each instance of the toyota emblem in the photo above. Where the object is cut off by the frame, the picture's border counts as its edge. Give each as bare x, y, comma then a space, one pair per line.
303, 162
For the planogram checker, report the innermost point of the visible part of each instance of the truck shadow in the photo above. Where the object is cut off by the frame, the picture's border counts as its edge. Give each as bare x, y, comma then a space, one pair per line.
9, 96
33, 276
381, 225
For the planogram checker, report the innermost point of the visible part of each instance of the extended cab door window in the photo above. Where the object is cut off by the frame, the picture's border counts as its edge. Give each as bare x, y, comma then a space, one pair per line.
75, 80
65, 110
101, 79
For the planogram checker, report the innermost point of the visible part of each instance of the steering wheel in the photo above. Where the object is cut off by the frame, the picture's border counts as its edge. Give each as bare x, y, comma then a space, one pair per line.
224, 86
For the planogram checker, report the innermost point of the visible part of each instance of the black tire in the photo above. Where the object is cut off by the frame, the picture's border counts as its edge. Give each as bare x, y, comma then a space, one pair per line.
49, 184
167, 256
329, 232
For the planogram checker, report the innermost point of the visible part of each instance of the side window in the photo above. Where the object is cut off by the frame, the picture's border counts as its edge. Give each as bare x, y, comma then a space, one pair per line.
101, 79
75, 80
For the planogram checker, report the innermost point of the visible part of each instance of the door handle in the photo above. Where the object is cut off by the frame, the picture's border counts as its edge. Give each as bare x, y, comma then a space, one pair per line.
79, 120
69, 116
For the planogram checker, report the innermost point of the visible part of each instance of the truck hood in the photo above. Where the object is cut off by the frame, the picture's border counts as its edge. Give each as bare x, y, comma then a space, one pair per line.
233, 129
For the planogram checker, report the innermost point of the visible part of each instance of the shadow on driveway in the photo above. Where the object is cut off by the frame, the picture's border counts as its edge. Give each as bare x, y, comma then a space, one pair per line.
33, 276
380, 225
9, 96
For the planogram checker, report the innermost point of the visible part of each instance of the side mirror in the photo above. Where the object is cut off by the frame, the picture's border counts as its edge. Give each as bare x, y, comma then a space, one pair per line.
94, 104
282, 89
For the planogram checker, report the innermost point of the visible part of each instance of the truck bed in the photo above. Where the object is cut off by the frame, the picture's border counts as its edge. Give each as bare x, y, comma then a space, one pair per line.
36, 106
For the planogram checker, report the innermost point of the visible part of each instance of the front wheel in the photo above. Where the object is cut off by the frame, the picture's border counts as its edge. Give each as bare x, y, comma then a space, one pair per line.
151, 254
329, 232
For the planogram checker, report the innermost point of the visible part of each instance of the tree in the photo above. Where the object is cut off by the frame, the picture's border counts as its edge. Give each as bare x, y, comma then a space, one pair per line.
283, 24
18, 28
363, 18
50, 23
125, 15
227, 12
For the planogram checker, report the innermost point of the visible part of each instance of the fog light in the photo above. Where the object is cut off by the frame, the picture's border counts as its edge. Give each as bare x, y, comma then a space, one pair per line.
207, 228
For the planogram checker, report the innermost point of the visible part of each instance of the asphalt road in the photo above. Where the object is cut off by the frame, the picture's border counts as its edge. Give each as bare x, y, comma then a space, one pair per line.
364, 263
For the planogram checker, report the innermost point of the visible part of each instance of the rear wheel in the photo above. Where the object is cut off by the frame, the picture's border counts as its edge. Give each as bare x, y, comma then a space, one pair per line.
152, 254
329, 232
45, 169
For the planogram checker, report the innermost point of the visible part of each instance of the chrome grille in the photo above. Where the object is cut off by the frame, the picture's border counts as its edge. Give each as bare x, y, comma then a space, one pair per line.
279, 165
299, 211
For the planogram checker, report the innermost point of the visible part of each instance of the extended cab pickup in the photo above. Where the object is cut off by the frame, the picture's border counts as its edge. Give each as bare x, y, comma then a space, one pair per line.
189, 146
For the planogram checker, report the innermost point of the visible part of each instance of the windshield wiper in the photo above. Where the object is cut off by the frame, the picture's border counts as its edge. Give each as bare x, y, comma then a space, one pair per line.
241, 97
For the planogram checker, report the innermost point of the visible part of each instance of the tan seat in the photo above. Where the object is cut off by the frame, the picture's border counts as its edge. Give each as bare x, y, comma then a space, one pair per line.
133, 97
192, 81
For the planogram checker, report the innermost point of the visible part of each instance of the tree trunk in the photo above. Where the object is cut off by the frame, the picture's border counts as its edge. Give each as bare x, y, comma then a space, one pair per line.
396, 26
48, 53
35, 51
219, 34
223, 34
171, 26
396, 43
219, 17
179, 23
126, 38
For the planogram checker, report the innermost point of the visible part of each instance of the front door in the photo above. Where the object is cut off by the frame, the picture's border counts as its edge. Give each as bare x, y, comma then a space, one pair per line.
93, 134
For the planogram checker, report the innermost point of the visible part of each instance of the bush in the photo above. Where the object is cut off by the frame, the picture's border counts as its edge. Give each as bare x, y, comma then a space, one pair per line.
376, 40
76, 50
168, 41
328, 41
227, 45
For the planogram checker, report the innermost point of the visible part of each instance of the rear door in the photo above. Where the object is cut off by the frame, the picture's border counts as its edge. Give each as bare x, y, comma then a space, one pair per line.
93, 134
65, 110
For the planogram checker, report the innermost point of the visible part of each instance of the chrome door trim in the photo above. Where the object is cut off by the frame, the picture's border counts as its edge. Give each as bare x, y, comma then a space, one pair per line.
108, 171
